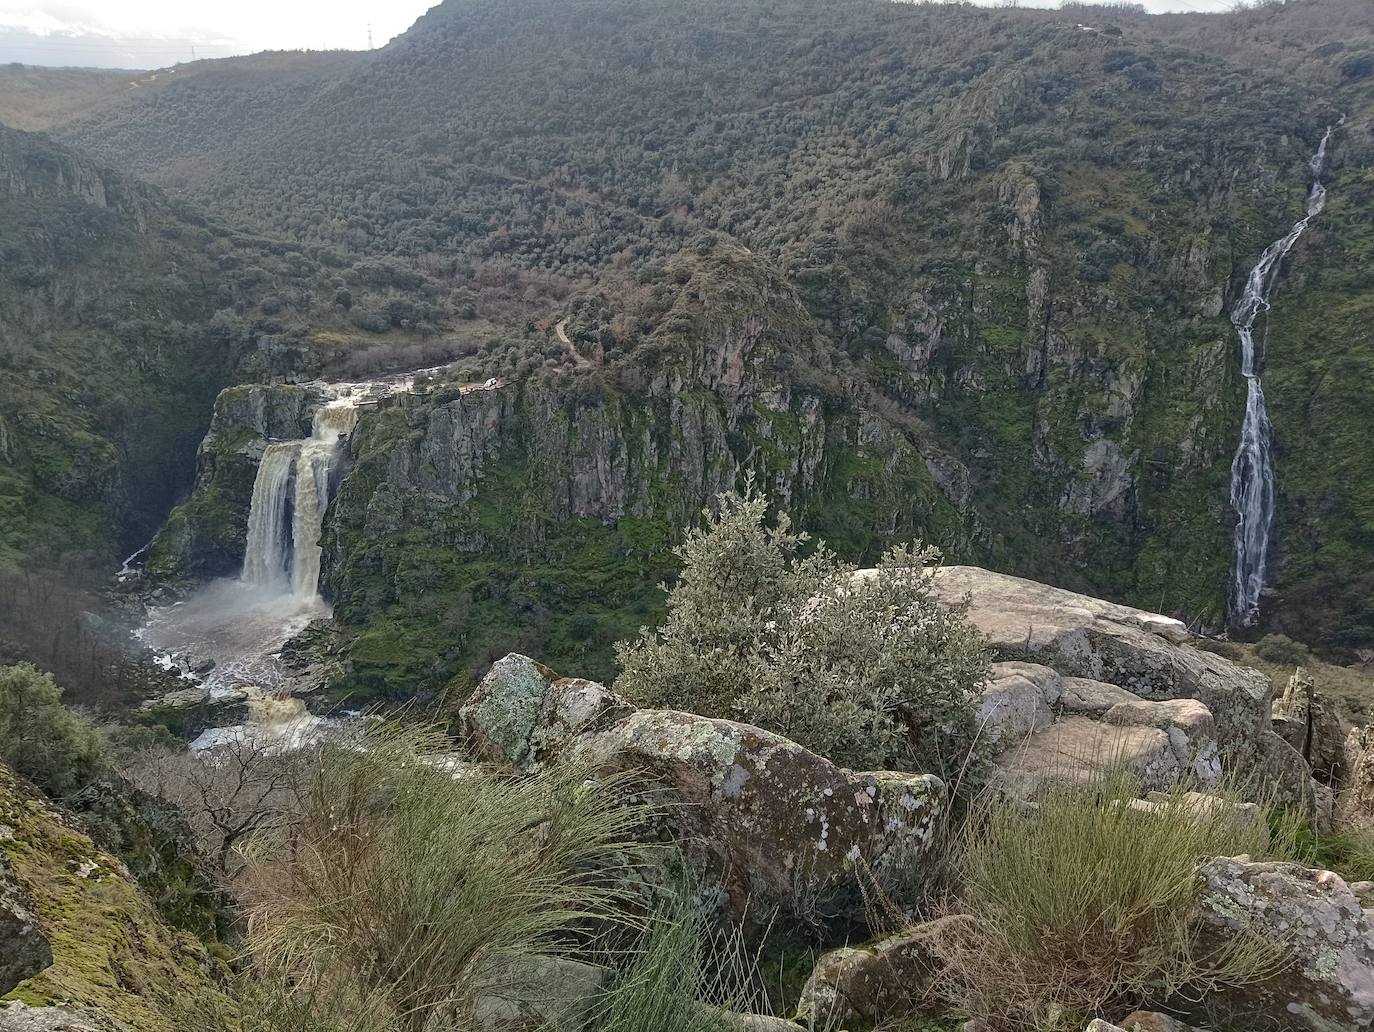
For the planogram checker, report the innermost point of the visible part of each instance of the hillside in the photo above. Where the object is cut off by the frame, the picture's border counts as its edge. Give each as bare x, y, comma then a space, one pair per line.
1013, 238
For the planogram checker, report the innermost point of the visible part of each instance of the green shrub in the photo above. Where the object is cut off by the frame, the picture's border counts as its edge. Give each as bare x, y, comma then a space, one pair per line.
1282, 650
1080, 903
870, 671
40, 738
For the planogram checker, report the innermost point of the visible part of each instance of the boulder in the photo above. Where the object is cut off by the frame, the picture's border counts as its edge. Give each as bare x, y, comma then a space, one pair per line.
1016, 701
1142, 652
1325, 930
886, 980
1153, 1021
1189, 726
1304, 719
1081, 749
24, 947
1089, 698
1245, 818
540, 992
767, 824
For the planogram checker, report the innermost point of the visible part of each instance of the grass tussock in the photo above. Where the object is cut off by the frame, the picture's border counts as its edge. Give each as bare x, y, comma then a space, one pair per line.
404, 891
1083, 902
683, 977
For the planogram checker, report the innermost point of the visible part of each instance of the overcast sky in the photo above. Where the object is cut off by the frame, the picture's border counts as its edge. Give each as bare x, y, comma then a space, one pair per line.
155, 33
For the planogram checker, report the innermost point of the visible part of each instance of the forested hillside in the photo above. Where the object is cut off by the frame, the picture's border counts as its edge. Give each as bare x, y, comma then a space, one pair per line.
1012, 239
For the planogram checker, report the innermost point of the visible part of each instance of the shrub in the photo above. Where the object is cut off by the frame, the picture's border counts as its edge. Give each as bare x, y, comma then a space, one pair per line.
40, 738
1080, 903
870, 671
1282, 650
403, 890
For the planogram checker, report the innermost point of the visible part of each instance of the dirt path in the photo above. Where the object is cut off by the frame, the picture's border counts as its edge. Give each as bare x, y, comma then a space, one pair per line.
561, 331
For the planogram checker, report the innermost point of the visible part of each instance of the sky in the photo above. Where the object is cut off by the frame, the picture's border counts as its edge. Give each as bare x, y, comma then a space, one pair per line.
157, 33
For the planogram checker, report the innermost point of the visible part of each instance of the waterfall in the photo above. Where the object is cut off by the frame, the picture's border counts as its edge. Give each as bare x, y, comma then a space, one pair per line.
290, 496
1252, 470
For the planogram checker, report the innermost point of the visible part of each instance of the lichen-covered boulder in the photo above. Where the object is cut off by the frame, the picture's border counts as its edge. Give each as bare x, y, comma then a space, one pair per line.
768, 824
884, 981
1324, 928
1144, 653
1189, 727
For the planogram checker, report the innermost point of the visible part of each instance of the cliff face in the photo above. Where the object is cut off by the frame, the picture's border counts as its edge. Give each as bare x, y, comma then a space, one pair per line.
205, 535
543, 512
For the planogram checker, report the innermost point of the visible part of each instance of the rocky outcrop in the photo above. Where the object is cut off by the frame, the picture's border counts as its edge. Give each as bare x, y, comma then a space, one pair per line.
114, 964
881, 982
1143, 653
770, 826
24, 946
1141, 1021
1357, 800
1323, 928
1307, 721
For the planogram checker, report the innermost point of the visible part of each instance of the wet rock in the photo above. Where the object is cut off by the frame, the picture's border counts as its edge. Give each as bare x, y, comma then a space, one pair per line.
1144, 653
768, 824
1325, 931
189, 711
200, 664
887, 980
24, 947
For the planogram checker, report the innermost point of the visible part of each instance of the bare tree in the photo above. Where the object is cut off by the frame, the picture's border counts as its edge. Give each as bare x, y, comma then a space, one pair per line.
228, 794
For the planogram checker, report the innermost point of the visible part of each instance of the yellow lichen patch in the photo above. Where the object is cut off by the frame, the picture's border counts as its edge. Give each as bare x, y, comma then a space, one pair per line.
111, 953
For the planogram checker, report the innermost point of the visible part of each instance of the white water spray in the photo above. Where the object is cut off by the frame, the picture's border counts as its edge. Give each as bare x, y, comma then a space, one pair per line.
1252, 470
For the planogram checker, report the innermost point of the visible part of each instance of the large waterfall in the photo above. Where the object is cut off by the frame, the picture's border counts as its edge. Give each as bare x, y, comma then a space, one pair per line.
290, 496
1252, 470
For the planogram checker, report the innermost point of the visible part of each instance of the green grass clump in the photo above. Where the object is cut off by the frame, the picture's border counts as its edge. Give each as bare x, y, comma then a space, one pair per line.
683, 978
1082, 903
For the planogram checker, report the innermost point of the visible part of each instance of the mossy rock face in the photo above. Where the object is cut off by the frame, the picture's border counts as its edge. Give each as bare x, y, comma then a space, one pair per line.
205, 536
112, 955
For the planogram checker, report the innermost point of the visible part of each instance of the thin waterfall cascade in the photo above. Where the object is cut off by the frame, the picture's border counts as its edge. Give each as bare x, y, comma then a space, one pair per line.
290, 496
1253, 478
